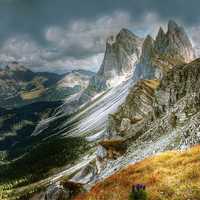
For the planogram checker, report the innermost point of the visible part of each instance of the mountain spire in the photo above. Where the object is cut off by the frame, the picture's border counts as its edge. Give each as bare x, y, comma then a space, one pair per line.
161, 34
122, 52
172, 26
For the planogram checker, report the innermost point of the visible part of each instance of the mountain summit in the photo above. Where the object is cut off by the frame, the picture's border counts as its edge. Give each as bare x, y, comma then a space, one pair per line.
167, 50
122, 52
121, 55
175, 42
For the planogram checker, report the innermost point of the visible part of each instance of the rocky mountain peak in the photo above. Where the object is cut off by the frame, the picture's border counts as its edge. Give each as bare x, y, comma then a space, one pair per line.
125, 34
148, 42
147, 49
172, 26
122, 53
161, 34
110, 41
166, 51
176, 43
121, 56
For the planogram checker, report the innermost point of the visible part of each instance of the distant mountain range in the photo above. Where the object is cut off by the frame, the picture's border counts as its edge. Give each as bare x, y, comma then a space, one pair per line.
20, 86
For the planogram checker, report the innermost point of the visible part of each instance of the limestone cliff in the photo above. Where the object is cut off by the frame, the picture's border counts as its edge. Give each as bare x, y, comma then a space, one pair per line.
157, 115
167, 50
122, 53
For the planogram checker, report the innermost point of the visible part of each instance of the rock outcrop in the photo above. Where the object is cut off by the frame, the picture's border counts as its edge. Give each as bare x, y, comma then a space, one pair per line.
166, 51
137, 109
149, 99
122, 52
121, 55
156, 107
158, 115
57, 192
61, 190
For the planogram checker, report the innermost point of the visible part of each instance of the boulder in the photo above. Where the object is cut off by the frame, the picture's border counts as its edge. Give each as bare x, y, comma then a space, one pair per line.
57, 192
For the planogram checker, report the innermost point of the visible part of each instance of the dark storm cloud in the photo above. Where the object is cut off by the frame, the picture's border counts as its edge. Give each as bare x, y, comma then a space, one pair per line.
57, 29
33, 15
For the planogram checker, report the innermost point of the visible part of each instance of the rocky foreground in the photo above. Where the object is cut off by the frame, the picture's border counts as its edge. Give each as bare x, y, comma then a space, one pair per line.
169, 176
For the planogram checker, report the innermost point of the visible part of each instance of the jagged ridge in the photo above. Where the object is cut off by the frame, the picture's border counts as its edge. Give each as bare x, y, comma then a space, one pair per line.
166, 51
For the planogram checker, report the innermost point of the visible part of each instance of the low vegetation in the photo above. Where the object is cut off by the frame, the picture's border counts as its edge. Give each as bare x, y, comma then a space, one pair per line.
138, 192
39, 162
168, 176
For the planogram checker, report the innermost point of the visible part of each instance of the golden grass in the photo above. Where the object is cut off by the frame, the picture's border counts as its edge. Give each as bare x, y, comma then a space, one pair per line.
32, 94
168, 176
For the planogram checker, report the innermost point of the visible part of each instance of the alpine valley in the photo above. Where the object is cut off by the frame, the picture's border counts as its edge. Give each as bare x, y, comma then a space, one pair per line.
92, 136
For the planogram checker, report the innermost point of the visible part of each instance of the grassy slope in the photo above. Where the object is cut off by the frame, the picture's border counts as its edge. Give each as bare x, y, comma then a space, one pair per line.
39, 163
16, 125
168, 176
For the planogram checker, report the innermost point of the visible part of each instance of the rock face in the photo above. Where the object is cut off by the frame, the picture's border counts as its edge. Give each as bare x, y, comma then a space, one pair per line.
122, 53
177, 95
65, 190
167, 50
57, 192
135, 112
86, 175
179, 83
158, 116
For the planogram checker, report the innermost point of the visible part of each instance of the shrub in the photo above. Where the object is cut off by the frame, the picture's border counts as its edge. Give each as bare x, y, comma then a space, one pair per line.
138, 192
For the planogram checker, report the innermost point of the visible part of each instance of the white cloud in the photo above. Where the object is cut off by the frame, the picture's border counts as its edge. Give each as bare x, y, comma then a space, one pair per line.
89, 36
26, 51
91, 63
194, 32
20, 48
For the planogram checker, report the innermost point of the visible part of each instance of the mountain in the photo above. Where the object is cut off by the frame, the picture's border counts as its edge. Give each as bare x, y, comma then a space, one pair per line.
168, 49
156, 108
19, 83
156, 116
120, 58
76, 78
121, 55
20, 86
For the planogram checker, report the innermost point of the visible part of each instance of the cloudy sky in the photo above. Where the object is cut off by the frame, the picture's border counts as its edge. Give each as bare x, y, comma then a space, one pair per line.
61, 35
